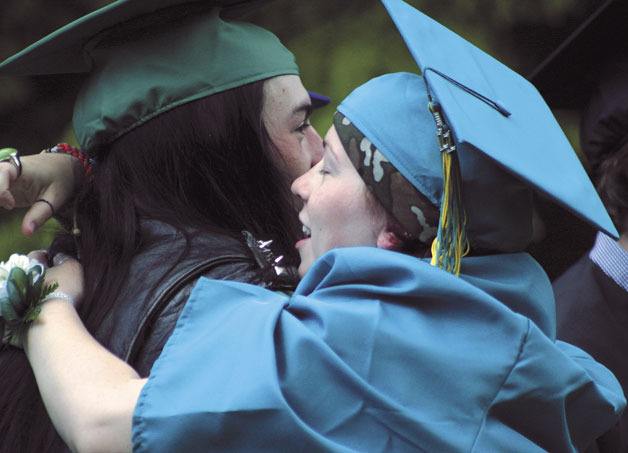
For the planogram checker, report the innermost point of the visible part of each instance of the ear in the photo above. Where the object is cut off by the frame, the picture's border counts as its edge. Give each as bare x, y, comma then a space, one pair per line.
388, 240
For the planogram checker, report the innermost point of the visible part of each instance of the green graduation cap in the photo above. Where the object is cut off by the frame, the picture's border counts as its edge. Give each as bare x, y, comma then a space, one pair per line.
147, 57
495, 113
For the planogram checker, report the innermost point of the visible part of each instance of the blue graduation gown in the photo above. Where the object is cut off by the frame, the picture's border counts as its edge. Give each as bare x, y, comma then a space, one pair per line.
376, 351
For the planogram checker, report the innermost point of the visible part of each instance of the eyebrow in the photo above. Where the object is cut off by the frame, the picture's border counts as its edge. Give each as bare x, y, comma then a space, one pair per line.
330, 152
305, 106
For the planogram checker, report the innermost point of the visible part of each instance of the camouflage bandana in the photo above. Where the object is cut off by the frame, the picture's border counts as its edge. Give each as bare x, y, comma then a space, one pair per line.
414, 212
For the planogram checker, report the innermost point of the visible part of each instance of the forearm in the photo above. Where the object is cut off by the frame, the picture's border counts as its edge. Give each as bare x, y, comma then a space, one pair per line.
89, 393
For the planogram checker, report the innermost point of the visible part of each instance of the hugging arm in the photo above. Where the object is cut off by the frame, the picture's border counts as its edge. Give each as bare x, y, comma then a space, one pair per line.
89, 393
48, 176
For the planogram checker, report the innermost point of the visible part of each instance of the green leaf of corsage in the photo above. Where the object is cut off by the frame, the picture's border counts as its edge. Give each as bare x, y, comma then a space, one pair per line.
22, 290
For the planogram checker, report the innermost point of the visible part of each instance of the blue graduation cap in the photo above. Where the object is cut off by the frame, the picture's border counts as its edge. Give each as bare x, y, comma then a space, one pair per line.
491, 120
494, 111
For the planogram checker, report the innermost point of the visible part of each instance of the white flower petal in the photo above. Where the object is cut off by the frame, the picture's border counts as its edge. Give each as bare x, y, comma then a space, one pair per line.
21, 261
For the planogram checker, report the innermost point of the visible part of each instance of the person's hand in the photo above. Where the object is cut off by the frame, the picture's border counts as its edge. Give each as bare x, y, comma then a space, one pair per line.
46, 176
66, 272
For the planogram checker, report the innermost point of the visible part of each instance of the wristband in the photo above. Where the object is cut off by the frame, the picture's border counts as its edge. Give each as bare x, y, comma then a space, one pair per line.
58, 295
87, 162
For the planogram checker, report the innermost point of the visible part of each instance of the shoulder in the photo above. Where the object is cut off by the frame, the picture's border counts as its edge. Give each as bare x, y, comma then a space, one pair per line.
518, 281
580, 306
372, 266
575, 398
380, 278
161, 279
579, 277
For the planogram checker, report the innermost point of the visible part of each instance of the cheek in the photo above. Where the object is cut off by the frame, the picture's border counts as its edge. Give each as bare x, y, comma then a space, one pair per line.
291, 159
344, 221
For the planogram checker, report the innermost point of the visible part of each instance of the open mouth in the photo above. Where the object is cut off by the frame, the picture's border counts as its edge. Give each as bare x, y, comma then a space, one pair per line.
307, 233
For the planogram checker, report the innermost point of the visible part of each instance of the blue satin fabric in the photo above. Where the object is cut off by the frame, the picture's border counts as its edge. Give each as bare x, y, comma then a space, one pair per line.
376, 351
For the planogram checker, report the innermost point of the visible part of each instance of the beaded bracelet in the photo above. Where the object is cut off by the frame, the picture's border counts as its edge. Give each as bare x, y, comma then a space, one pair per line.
87, 162
59, 295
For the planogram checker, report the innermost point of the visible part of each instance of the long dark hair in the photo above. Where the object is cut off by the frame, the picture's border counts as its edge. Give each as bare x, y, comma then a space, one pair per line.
206, 166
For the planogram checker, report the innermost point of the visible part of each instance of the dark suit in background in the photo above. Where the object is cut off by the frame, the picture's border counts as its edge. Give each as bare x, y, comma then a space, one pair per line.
592, 312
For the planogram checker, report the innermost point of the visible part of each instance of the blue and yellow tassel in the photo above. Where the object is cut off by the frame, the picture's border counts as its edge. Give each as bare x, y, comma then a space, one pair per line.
450, 244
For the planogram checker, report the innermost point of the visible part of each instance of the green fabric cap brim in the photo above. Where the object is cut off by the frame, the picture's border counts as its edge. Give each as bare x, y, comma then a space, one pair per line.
146, 58
62, 51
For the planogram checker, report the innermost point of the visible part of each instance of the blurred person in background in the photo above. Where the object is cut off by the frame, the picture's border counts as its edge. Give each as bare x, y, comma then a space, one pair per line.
592, 295
589, 72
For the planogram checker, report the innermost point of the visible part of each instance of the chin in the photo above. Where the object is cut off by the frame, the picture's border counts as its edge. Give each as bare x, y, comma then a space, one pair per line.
305, 265
307, 259
303, 268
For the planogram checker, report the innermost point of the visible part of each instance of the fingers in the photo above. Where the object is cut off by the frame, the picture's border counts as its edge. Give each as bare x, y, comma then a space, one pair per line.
61, 258
35, 217
41, 256
66, 263
68, 275
8, 174
6, 200
48, 177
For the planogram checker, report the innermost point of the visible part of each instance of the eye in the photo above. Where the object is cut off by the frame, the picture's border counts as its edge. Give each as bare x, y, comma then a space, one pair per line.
324, 170
303, 126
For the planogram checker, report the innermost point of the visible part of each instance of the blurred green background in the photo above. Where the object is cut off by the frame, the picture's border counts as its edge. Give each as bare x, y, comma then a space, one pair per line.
339, 44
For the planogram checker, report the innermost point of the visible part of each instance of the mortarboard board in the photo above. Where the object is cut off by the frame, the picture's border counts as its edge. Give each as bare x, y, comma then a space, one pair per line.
145, 58
588, 71
501, 127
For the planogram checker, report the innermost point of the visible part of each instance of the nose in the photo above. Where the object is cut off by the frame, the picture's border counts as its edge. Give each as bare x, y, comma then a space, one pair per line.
300, 186
315, 143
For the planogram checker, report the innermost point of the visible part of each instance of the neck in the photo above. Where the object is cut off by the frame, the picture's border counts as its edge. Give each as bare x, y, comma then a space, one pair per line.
623, 241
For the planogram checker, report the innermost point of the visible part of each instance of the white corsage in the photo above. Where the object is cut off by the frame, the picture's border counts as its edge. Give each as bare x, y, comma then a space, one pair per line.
22, 291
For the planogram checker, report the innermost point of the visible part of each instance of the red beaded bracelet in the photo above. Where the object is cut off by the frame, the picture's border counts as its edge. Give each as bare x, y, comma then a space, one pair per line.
84, 159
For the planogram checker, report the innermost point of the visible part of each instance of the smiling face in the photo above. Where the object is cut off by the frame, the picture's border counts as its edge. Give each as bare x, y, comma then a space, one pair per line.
286, 115
338, 210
